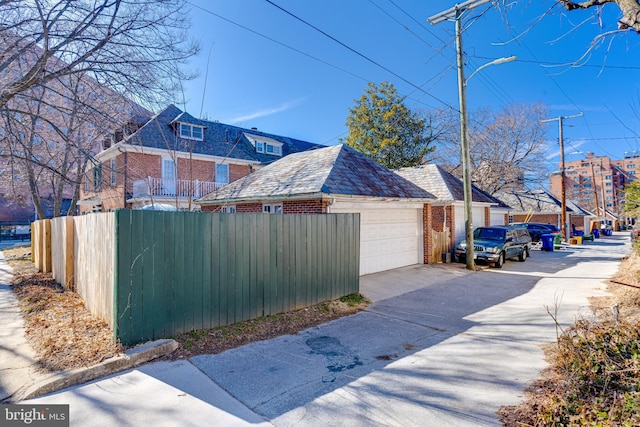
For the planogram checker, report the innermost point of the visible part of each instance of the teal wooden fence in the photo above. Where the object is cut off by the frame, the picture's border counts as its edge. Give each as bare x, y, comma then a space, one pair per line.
180, 271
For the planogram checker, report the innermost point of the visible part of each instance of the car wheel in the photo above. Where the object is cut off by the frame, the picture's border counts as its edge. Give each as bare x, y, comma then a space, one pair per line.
523, 256
500, 262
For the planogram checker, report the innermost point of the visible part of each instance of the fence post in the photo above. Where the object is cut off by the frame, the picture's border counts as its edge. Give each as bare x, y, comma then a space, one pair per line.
35, 238
46, 246
70, 281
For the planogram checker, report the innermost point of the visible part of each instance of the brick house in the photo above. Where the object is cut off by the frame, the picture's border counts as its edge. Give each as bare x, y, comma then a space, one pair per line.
173, 158
395, 215
449, 192
541, 206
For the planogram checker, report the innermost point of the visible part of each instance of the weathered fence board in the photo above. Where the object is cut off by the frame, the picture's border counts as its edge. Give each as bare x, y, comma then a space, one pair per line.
94, 255
179, 271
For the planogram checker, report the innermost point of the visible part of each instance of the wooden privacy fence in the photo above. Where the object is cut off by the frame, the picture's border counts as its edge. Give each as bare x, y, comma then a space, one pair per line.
157, 274
441, 244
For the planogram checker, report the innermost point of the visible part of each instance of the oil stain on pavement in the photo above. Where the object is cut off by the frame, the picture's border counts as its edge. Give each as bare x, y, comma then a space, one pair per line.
339, 357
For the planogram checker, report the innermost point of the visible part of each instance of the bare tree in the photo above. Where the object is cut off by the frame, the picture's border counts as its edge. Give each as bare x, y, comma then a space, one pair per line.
630, 10
49, 134
505, 147
136, 47
66, 68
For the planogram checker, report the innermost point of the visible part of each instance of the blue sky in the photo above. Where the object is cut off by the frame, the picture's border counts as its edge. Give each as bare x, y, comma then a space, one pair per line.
261, 67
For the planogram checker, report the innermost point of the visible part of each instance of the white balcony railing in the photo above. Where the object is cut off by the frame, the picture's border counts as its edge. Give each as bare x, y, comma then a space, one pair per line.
173, 187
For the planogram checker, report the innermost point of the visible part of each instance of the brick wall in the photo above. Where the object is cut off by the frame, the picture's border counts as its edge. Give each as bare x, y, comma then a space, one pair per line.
237, 171
539, 217
428, 221
303, 207
315, 206
196, 169
576, 222
438, 218
487, 216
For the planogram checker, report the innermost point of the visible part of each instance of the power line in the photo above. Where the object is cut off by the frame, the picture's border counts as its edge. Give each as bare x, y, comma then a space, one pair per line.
278, 42
360, 54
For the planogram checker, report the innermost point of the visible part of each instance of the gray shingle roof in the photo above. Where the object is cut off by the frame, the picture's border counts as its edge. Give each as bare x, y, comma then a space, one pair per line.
220, 139
535, 200
442, 184
333, 170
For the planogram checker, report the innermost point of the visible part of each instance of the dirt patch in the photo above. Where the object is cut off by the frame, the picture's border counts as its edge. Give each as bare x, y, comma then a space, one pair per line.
65, 335
217, 340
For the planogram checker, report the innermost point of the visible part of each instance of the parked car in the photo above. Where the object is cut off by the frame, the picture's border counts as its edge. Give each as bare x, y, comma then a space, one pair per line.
496, 244
537, 229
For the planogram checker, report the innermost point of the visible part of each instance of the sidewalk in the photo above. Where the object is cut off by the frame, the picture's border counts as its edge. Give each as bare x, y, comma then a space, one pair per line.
17, 359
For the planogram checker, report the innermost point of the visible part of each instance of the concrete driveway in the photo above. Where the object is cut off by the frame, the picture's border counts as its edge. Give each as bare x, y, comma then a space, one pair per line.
440, 346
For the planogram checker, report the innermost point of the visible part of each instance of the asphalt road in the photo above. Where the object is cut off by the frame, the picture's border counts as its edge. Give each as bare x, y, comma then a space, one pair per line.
440, 346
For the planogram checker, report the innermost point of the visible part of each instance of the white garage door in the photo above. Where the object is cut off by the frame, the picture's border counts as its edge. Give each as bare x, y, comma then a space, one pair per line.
389, 238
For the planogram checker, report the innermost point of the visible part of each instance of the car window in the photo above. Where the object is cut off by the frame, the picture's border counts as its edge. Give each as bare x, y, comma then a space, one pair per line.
489, 234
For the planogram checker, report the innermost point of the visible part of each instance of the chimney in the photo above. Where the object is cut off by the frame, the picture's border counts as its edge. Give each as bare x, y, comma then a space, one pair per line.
589, 154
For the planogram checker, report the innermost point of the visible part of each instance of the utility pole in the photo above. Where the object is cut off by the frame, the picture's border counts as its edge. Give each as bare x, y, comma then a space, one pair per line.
595, 188
563, 175
456, 13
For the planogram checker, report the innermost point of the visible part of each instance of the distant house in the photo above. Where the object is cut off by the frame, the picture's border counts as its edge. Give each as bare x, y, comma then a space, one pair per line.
174, 158
449, 193
541, 206
395, 215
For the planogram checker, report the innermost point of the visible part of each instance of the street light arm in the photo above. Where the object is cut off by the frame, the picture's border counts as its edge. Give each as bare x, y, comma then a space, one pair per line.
494, 62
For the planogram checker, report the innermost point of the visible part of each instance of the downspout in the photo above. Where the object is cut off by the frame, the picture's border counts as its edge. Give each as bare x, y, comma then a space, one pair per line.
124, 188
329, 204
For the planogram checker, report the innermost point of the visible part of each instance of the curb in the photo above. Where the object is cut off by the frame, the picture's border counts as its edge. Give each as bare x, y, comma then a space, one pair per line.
132, 358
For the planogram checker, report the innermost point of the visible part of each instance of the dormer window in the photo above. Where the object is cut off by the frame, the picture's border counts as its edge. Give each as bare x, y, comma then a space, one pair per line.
265, 145
188, 131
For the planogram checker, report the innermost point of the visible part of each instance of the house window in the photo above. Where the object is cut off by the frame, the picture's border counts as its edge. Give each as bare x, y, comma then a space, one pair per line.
222, 173
97, 177
169, 174
191, 131
114, 173
268, 148
228, 209
275, 208
631, 166
587, 186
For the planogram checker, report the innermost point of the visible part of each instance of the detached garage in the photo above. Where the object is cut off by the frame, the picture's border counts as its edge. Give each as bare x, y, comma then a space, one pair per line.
389, 238
338, 179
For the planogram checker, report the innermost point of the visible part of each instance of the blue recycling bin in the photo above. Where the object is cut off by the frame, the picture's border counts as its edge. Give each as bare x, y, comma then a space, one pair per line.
596, 233
547, 242
578, 233
607, 232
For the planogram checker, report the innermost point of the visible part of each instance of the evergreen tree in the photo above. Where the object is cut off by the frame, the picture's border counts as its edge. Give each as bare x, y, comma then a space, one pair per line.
384, 129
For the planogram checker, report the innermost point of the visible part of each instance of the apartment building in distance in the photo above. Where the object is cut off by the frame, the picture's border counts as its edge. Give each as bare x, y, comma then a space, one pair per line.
597, 182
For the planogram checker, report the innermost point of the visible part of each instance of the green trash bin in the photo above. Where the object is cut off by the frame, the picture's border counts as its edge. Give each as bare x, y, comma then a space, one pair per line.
558, 239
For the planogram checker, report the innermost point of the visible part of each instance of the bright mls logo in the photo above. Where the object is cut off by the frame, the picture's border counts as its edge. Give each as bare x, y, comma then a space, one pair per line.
35, 415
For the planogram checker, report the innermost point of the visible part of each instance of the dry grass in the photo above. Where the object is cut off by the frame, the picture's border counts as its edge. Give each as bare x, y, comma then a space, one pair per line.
213, 341
58, 326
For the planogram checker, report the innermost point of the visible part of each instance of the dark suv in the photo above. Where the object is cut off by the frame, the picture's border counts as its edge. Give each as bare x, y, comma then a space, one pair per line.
497, 243
537, 229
